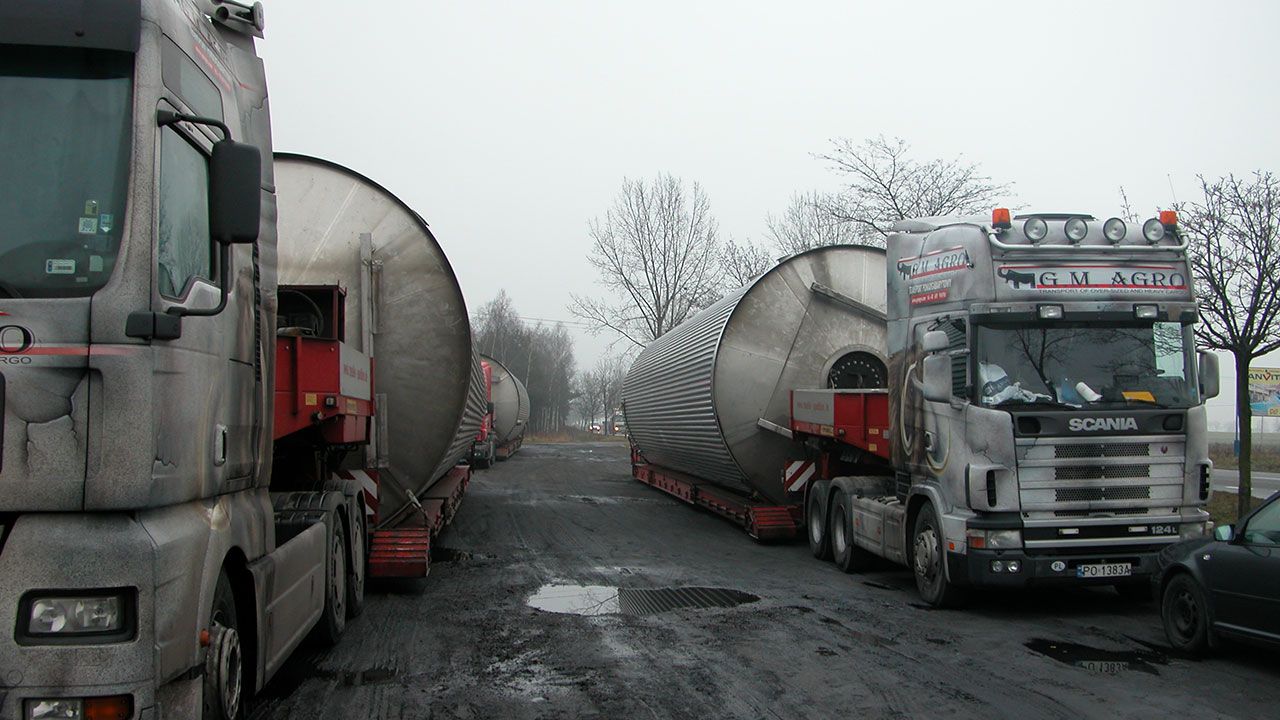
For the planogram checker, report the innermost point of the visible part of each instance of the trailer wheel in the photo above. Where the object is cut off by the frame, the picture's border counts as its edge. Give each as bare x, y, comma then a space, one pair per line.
844, 549
223, 694
819, 531
357, 572
928, 561
334, 618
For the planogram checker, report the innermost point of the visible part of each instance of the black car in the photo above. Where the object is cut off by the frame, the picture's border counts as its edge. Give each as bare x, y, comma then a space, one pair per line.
1224, 586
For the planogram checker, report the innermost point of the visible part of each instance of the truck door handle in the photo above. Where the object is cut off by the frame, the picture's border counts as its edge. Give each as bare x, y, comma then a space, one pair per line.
928, 440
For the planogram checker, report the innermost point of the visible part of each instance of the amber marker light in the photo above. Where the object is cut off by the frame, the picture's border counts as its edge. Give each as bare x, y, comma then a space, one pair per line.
1169, 218
1000, 218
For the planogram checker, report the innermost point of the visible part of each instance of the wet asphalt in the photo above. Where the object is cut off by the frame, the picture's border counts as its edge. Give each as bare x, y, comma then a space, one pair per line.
650, 608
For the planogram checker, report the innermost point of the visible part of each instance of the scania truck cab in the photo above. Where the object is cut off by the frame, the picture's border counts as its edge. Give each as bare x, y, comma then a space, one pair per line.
1046, 402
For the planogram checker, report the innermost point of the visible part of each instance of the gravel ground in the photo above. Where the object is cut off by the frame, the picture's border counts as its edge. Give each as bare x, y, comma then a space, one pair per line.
464, 643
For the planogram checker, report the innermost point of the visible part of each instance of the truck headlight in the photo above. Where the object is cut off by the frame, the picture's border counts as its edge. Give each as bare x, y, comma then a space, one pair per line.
50, 615
994, 539
115, 706
76, 617
1188, 531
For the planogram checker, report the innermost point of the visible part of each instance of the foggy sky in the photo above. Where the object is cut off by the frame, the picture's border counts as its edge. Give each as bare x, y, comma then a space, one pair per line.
508, 126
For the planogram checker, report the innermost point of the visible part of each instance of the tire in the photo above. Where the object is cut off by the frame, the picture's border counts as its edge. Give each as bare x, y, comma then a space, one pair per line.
1134, 592
928, 561
223, 697
1184, 612
357, 569
844, 550
333, 620
816, 523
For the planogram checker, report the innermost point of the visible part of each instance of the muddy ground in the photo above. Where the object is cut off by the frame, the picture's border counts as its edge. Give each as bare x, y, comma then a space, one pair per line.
464, 643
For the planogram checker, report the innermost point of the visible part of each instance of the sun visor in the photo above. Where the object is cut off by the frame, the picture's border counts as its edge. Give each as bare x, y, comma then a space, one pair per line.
96, 24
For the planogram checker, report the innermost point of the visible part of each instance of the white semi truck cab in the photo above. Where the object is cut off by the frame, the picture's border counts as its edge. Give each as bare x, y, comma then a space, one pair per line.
1046, 415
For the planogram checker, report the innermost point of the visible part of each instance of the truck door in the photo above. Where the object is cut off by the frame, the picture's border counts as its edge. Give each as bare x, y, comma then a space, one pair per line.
204, 381
937, 428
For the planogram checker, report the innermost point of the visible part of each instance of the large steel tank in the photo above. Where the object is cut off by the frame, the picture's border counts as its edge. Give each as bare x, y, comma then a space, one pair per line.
404, 308
510, 402
694, 398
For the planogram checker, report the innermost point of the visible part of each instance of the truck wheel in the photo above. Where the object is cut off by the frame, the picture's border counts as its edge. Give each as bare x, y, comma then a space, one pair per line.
844, 549
334, 618
223, 695
356, 574
929, 561
819, 532
1185, 615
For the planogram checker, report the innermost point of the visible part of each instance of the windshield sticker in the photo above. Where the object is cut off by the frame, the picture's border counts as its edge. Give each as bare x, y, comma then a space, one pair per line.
1093, 279
106, 222
88, 226
91, 207
95, 263
60, 267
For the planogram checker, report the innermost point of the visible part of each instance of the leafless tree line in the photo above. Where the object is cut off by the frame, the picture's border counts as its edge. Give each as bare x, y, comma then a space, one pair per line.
539, 355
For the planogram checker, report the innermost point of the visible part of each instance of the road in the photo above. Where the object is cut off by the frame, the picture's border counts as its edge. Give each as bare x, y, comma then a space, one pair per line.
1264, 484
465, 643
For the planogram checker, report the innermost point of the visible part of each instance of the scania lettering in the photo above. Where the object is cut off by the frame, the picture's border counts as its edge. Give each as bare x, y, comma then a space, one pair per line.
1094, 424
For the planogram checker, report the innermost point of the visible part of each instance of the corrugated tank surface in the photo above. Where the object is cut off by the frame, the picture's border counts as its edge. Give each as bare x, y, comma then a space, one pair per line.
666, 398
694, 397
425, 371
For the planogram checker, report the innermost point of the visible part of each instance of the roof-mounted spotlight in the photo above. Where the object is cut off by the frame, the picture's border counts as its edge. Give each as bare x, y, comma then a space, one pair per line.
1153, 230
1036, 229
1076, 229
1114, 230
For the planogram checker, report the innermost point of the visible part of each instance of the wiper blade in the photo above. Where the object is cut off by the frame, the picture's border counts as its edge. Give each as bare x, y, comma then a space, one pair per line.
1039, 401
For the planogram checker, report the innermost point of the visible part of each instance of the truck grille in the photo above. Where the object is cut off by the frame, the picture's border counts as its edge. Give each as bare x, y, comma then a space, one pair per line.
1067, 477
1084, 494
1092, 450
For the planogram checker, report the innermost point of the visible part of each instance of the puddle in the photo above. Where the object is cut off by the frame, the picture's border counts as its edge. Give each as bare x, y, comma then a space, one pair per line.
1095, 660
610, 600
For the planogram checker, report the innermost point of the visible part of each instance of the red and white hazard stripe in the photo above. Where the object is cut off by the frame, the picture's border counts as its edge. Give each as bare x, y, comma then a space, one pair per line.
368, 480
797, 475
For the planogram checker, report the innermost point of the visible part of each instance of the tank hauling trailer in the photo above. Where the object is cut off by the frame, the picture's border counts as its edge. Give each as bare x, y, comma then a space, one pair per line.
502, 429
1001, 402
233, 389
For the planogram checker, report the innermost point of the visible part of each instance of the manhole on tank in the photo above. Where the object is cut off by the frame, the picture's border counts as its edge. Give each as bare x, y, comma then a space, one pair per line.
610, 600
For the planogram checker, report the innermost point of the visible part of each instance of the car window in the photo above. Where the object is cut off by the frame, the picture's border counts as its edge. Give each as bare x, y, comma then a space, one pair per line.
1264, 528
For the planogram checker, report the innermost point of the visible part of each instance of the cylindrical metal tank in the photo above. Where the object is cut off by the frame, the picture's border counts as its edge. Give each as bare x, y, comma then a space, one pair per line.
510, 403
404, 308
694, 398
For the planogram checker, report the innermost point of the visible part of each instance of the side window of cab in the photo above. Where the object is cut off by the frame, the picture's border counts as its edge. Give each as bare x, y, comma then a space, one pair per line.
184, 252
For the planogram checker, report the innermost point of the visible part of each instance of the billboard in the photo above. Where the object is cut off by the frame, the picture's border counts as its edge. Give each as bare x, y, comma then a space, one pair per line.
1264, 391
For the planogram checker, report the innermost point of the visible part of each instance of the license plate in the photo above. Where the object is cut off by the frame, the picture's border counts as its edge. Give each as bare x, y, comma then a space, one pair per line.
1104, 570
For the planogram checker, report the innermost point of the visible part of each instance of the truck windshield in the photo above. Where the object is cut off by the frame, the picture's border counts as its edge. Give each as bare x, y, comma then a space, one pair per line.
1073, 364
64, 140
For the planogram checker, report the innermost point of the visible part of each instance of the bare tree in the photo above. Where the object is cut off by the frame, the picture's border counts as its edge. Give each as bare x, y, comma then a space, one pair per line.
886, 185
808, 223
657, 251
740, 262
1234, 233
541, 356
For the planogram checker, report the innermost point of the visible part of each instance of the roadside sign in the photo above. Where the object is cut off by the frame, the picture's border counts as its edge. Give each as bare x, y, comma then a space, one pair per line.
1264, 391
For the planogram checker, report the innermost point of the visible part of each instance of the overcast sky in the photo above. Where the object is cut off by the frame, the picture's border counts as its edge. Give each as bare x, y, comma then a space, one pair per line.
508, 126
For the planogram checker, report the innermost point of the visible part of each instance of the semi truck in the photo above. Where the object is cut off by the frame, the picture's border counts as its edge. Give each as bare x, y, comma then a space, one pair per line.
502, 429
235, 386
992, 402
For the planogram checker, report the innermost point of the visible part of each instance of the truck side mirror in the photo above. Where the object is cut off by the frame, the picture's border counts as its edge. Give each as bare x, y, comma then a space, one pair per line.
936, 383
1208, 375
934, 340
235, 192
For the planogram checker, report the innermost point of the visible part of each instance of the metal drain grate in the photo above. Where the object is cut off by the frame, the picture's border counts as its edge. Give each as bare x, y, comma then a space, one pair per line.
640, 601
